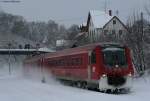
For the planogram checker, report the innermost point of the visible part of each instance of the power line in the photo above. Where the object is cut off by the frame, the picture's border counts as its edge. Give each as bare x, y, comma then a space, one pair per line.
71, 19
83, 18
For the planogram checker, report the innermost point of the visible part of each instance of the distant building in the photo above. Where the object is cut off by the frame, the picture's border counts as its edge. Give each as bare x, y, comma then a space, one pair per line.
100, 26
62, 44
81, 38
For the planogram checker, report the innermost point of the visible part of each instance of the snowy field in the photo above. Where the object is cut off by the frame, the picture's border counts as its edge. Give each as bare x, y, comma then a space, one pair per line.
17, 88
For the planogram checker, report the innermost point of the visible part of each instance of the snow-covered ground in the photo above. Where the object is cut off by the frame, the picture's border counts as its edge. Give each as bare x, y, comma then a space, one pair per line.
17, 88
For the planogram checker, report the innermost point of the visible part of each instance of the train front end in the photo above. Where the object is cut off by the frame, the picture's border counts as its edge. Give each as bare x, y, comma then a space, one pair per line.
117, 69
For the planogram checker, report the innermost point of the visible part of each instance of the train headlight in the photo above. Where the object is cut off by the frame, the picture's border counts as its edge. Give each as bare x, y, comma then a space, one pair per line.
129, 74
116, 66
104, 75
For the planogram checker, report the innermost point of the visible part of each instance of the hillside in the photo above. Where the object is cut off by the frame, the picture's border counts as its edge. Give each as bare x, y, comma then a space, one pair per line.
15, 40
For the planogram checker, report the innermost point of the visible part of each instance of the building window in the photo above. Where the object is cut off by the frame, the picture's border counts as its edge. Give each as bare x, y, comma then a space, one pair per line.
105, 32
93, 36
120, 32
114, 22
113, 32
89, 33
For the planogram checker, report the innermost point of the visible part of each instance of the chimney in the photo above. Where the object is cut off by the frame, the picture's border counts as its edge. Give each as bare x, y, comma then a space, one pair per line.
110, 12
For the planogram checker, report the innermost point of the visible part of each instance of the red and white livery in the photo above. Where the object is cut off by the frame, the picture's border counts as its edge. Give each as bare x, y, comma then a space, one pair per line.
101, 66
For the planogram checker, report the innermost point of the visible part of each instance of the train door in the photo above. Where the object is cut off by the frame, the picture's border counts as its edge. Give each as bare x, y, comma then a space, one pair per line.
89, 65
92, 64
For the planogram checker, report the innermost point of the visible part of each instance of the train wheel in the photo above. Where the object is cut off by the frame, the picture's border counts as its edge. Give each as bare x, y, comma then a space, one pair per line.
79, 84
108, 91
102, 91
124, 90
84, 85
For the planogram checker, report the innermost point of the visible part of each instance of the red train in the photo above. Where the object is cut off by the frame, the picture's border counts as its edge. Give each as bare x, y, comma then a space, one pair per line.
102, 66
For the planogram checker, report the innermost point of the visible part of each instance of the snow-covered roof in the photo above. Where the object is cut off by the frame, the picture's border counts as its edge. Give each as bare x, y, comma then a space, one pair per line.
80, 34
99, 18
45, 49
113, 49
61, 42
84, 23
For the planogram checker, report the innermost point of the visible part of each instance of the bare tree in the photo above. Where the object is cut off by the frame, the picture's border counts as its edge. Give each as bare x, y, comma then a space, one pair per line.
136, 41
147, 8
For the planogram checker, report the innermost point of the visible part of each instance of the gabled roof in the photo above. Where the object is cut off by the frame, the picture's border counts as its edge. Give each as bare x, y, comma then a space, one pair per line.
80, 34
118, 20
99, 18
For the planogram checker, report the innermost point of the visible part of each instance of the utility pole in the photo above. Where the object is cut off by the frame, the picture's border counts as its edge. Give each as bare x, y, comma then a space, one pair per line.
9, 44
117, 13
142, 23
105, 6
142, 32
9, 66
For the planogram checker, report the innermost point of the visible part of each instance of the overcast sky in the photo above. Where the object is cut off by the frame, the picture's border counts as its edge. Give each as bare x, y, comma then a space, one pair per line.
70, 11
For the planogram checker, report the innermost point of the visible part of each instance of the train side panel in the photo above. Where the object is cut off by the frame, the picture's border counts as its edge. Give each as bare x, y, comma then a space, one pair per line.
129, 61
71, 67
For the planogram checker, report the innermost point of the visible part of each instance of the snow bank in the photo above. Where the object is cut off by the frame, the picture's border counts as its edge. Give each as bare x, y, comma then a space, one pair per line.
17, 88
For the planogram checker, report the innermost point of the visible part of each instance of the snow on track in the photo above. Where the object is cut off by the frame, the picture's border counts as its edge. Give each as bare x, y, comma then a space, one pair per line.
16, 88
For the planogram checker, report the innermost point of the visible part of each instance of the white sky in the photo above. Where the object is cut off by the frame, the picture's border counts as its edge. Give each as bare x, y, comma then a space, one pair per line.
70, 11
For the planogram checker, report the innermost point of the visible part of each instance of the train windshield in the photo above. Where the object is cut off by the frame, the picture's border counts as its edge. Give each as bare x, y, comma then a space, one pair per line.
114, 57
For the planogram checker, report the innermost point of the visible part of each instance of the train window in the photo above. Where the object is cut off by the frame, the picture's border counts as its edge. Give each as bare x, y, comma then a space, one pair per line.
65, 62
55, 63
68, 62
93, 57
59, 62
114, 56
72, 62
80, 61
76, 61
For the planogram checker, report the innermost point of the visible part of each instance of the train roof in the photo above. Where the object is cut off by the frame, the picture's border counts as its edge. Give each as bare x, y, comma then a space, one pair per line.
76, 50
81, 49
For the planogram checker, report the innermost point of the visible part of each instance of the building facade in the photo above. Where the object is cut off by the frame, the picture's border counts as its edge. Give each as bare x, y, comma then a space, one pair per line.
101, 27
